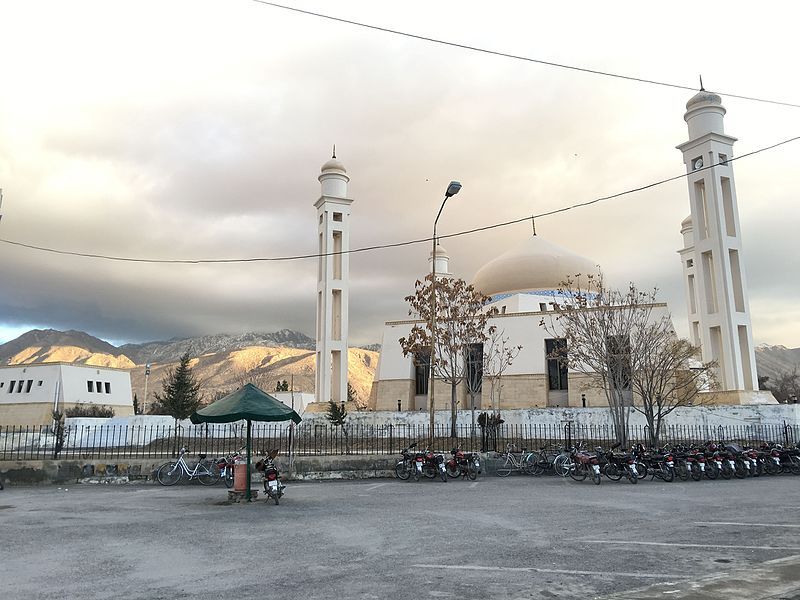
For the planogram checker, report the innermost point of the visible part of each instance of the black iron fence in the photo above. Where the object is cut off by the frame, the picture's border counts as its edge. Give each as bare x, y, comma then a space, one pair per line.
115, 441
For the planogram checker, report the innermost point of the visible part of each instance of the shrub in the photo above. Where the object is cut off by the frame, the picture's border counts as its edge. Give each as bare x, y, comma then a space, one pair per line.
90, 410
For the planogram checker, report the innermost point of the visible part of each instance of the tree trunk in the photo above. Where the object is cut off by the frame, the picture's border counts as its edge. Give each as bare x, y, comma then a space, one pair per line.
453, 415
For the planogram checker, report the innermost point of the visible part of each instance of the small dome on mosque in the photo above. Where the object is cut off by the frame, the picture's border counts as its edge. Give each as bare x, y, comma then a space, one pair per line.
440, 252
333, 165
704, 97
687, 222
535, 264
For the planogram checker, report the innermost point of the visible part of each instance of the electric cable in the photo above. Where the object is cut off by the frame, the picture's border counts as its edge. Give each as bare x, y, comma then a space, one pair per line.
394, 244
518, 57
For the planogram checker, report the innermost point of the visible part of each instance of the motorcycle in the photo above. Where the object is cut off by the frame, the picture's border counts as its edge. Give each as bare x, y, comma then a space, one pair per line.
434, 463
273, 487
226, 463
618, 465
463, 464
583, 464
405, 465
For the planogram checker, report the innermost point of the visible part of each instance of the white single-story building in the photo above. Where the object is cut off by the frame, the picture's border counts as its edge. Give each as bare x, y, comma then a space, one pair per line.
29, 393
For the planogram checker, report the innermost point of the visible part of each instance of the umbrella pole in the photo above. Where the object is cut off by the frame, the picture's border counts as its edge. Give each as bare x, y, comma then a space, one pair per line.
247, 492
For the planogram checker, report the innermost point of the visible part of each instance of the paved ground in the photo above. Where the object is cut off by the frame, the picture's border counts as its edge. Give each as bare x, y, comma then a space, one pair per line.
540, 538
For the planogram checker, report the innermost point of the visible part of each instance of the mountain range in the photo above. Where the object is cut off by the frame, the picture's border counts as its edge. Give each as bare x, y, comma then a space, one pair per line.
222, 362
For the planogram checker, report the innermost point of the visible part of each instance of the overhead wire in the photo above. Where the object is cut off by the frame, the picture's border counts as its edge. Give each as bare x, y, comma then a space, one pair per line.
529, 59
394, 244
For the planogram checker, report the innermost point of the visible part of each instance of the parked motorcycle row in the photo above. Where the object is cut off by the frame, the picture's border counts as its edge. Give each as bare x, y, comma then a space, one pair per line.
425, 463
712, 460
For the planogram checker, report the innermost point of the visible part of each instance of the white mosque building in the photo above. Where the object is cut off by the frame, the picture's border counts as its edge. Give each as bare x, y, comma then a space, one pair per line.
523, 281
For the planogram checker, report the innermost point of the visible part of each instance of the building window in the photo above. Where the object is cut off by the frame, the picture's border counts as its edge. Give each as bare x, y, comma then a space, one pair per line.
28, 386
39, 383
556, 355
99, 388
502, 310
337, 216
543, 306
690, 263
108, 387
90, 386
723, 159
422, 372
20, 383
619, 361
11, 387
474, 364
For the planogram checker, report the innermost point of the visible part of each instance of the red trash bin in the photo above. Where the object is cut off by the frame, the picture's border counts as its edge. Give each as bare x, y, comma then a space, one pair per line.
240, 477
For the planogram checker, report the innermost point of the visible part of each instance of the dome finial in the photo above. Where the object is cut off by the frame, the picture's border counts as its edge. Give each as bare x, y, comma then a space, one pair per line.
702, 89
334, 150
533, 224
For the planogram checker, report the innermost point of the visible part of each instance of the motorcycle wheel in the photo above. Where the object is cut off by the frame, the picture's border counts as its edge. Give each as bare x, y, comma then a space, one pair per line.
228, 477
596, 477
416, 474
453, 470
641, 470
277, 499
681, 471
429, 472
794, 465
578, 472
711, 472
770, 468
471, 472
726, 472
401, 470
443, 475
666, 474
740, 471
612, 472
697, 474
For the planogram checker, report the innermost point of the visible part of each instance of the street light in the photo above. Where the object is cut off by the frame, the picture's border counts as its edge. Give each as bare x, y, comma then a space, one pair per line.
452, 190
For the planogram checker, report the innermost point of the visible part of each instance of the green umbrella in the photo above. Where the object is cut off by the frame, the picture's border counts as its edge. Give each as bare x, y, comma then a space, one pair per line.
248, 403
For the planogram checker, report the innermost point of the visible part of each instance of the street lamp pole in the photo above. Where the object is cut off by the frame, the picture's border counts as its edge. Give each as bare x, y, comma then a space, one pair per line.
452, 190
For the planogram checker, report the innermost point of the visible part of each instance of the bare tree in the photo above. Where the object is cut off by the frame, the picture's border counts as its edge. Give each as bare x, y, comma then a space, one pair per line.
616, 340
498, 355
785, 386
461, 320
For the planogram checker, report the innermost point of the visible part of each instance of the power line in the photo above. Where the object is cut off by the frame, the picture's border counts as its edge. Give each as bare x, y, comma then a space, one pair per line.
516, 56
394, 244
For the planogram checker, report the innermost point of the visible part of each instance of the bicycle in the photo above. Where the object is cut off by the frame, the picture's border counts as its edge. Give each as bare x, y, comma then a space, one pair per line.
525, 463
558, 462
172, 472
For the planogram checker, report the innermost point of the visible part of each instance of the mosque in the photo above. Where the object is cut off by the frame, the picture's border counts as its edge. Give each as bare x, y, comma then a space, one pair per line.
523, 281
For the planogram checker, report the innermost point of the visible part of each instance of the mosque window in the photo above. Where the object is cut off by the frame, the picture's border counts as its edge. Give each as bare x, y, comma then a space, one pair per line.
619, 360
337, 216
556, 354
11, 387
723, 159
108, 387
474, 363
422, 366
28, 386
543, 306
99, 387
690, 263
90, 386
20, 383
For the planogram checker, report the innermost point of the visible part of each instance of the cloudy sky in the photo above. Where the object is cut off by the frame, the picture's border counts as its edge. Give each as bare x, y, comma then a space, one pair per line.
196, 129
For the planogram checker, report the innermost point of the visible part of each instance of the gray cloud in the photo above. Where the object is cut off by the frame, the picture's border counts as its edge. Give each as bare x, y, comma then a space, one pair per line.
206, 143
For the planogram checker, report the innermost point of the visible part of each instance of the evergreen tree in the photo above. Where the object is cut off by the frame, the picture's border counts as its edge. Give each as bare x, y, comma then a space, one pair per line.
137, 410
337, 415
181, 392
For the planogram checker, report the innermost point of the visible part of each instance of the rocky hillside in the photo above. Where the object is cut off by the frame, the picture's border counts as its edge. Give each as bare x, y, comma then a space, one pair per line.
221, 362
262, 365
171, 350
50, 345
772, 360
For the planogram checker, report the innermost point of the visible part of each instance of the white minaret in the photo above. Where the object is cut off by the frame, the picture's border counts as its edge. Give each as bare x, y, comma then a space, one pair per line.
333, 288
713, 267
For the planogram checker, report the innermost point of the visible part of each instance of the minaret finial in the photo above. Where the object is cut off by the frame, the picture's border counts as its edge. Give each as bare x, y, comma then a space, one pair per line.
334, 151
533, 224
702, 89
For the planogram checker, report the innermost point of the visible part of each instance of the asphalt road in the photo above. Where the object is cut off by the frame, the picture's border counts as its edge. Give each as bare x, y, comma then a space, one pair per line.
385, 539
